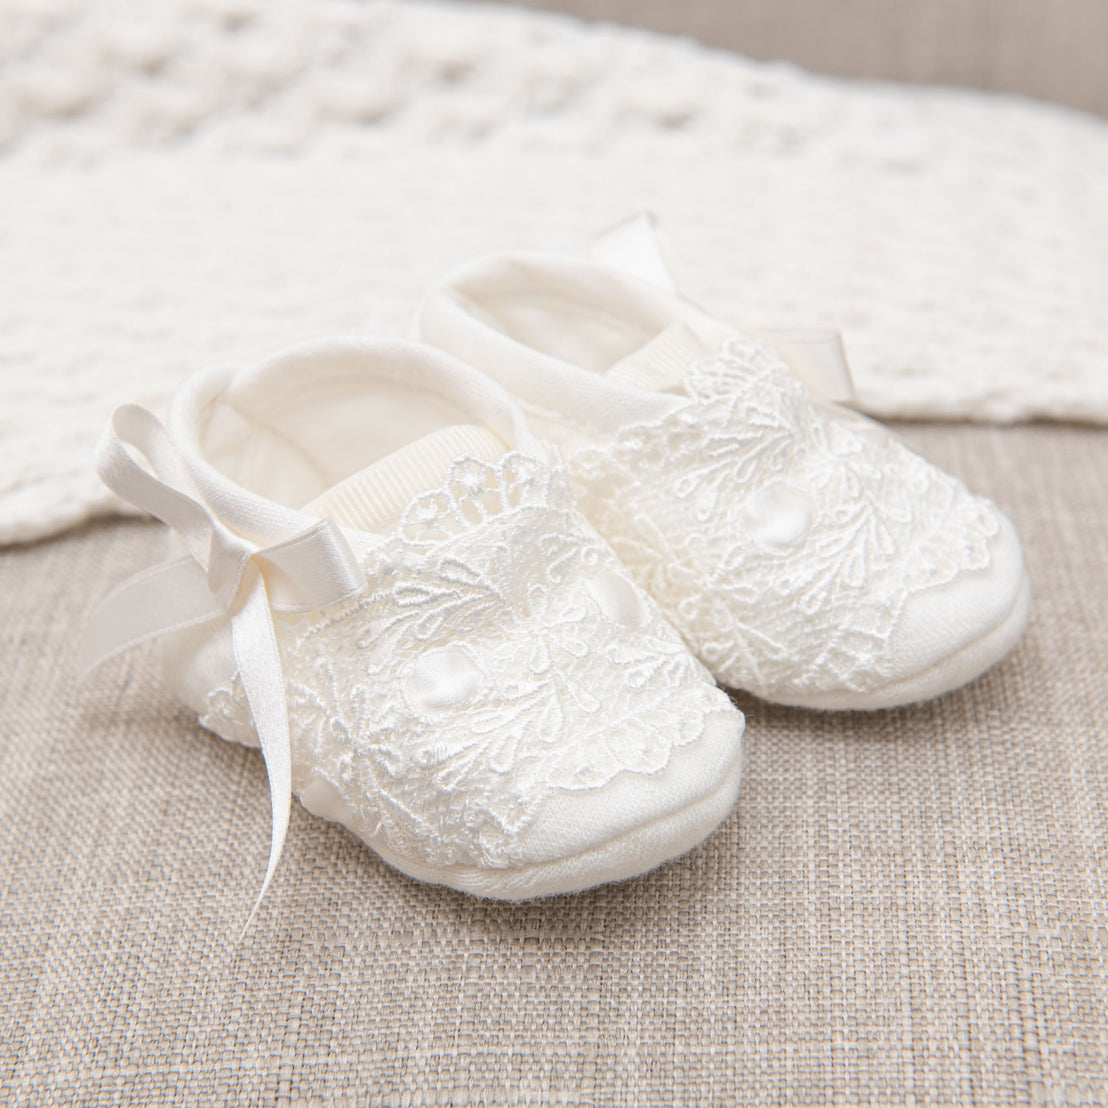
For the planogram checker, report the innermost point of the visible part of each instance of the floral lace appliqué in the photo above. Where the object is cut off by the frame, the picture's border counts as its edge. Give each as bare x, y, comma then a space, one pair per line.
500, 656
781, 540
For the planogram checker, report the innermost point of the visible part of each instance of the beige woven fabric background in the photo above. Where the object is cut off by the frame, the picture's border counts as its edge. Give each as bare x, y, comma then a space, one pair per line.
907, 907
1048, 49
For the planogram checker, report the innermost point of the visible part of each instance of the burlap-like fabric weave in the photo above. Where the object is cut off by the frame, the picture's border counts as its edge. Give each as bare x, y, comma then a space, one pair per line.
906, 907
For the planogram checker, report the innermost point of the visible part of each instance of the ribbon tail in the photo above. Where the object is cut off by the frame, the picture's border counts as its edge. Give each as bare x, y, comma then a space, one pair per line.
259, 663
159, 600
816, 356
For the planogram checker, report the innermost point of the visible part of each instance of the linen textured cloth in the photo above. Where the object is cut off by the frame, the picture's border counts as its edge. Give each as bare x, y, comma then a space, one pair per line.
905, 906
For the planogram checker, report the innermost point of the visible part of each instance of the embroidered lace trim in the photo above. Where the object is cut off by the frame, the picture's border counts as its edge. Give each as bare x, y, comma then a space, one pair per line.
500, 656
782, 540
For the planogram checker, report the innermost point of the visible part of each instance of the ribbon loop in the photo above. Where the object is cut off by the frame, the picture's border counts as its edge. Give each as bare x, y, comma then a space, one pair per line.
228, 556
633, 246
314, 569
224, 575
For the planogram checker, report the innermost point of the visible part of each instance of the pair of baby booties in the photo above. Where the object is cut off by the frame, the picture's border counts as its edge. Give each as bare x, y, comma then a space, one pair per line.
472, 596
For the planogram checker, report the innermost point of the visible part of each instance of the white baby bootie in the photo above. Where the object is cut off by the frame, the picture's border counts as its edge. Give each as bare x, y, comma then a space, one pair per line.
388, 587
805, 554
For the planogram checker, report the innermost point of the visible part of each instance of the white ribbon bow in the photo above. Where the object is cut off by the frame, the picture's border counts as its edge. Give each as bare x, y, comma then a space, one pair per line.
816, 355
223, 575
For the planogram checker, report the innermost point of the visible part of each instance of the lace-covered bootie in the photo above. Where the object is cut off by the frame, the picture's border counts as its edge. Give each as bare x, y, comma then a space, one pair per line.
389, 587
804, 553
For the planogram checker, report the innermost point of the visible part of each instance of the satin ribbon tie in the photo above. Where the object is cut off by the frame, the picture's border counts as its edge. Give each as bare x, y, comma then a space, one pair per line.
815, 355
222, 575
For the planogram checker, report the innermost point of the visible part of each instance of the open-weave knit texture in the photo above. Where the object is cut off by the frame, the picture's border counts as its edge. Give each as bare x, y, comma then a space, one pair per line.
907, 907
200, 180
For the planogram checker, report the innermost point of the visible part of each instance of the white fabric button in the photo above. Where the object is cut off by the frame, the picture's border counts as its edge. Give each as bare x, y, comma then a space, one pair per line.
442, 679
617, 598
777, 516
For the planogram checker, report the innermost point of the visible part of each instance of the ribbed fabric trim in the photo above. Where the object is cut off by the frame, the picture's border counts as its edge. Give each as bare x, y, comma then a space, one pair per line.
376, 496
663, 362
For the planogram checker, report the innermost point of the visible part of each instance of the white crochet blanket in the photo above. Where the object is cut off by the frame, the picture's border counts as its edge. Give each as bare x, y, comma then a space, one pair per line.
201, 180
